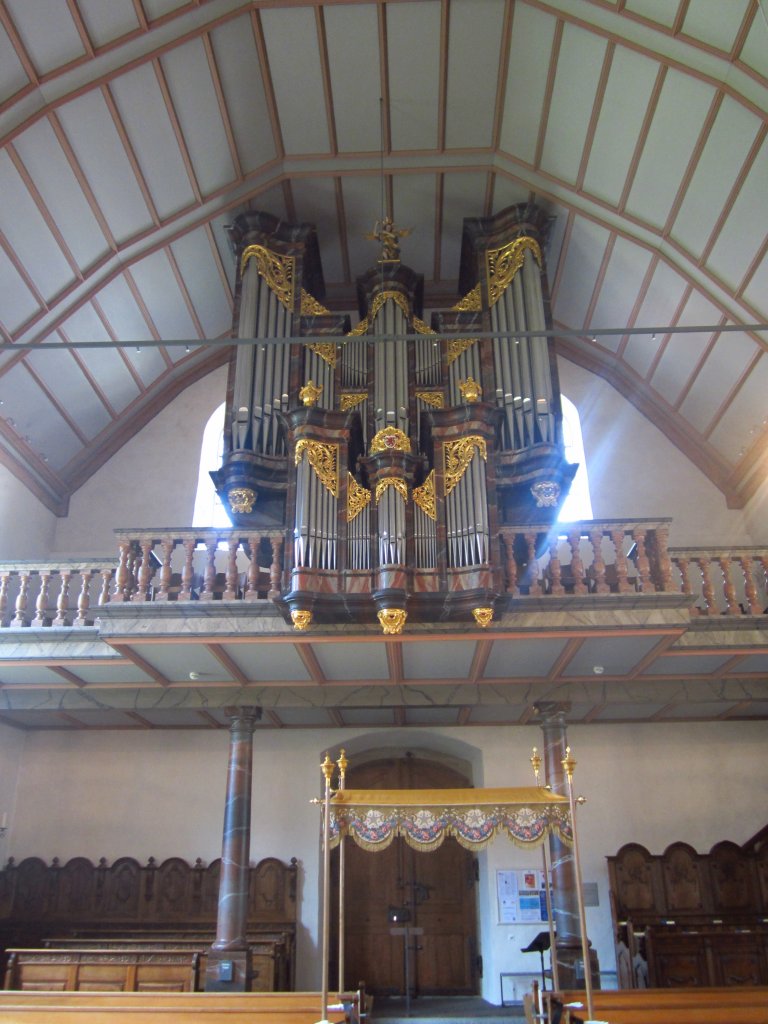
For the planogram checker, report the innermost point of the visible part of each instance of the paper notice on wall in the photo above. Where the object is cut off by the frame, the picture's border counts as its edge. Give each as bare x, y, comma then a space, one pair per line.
521, 896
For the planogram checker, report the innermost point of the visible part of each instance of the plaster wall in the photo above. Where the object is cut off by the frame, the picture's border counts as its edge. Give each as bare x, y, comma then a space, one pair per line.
146, 794
27, 525
11, 747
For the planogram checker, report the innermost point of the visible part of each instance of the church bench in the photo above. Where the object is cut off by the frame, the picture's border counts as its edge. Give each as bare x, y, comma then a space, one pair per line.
747, 1005
118, 970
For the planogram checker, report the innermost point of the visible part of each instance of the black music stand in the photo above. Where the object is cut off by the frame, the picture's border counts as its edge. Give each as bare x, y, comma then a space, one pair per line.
538, 945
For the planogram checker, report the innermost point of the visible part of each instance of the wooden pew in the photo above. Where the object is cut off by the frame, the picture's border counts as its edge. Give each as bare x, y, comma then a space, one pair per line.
732, 1005
117, 970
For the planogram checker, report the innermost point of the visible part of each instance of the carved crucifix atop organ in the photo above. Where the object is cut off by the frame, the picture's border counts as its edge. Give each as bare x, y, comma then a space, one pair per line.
393, 454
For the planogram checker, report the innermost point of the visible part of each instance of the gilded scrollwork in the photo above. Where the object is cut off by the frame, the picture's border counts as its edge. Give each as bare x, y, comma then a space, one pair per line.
398, 298
278, 271
470, 390
420, 327
483, 617
357, 498
310, 393
242, 499
471, 303
458, 345
392, 481
425, 496
392, 620
325, 349
433, 398
310, 305
457, 456
502, 264
351, 400
546, 493
324, 459
301, 619
390, 439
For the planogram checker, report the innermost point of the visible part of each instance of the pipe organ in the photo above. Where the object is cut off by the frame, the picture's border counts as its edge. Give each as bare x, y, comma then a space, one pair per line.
391, 454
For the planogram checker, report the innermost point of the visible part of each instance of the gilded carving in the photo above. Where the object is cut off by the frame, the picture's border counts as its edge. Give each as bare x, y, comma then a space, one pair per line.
502, 264
310, 393
483, 617
457, 456
325, 349
324, 459
310, 306
357, 498
397, 297
392, 481
433, 398
242, 499
546, 493
392, 620
390, 439
301, 619
277, 271
361, 328
385, 232
425, 497
457, 346
471, 303
420, 327
470, 390
351, 400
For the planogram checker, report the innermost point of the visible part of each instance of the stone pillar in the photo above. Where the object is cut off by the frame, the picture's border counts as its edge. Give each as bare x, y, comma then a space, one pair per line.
229, 959
565, 905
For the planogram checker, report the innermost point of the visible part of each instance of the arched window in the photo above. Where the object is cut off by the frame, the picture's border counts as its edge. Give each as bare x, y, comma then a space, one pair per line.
209, 510
578, 504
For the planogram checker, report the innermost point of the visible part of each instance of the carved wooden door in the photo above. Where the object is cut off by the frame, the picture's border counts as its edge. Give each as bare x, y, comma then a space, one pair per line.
436, 889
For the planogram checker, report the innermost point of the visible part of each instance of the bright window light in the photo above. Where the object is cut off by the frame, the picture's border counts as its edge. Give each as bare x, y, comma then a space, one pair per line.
578, 505
209, 510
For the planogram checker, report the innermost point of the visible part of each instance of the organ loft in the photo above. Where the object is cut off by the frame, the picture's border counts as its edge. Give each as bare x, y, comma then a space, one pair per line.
393, 462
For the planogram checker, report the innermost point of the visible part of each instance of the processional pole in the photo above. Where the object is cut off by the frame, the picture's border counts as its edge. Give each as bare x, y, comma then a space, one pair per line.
342, 766
327, 770
569, 763
536, 765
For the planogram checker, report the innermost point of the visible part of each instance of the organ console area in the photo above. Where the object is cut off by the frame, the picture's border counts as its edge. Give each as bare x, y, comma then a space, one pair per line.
392, 452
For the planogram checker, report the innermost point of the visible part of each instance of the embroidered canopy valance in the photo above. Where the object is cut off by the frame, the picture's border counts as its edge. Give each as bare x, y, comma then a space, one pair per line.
424, 817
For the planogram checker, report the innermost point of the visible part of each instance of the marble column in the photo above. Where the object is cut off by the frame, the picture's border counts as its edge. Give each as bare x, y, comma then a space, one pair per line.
229, 960
565, 903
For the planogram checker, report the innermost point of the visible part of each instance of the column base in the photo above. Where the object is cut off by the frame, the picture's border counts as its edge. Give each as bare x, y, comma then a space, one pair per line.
228, 970
570, 967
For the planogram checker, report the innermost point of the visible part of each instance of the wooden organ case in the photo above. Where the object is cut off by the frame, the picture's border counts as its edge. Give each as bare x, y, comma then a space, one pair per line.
390, 455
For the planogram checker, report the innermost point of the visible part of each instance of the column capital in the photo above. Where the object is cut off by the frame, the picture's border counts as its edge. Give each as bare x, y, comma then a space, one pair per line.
247, 715
552, 712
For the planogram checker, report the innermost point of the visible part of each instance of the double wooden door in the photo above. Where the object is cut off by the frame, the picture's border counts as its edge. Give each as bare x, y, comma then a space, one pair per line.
437, 890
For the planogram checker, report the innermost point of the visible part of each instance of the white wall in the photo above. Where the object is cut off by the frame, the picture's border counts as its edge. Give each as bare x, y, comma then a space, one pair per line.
26, 525
161, 794
634, 471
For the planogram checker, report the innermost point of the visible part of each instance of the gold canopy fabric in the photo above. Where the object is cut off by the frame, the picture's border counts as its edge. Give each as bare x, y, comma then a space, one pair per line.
424, 817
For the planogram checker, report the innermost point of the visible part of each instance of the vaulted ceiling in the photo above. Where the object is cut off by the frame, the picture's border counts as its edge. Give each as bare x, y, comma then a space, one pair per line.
133, 131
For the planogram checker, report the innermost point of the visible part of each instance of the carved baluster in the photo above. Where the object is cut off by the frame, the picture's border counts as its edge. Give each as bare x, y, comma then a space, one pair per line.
532, 577
145, 572
577, 566
84, 598
231, 588
123, 588
707, 589
210, 569
622, 570
729, 590
20, 618
598, 562
750, 590
274, 569
252, 583
555, 568
188, 572
511, 564
41, 605
641, 561
167, 545
62, 605
106, 579
662, 564
4, 578
683, 564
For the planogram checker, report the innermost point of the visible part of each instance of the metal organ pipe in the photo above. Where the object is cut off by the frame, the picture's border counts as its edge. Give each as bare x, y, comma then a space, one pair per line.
246, 328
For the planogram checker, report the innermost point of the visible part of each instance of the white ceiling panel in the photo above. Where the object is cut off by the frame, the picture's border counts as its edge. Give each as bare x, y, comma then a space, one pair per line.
683, 351
734, 433
414, 207
31, 675
413, 48
294, 64
721, 161
532, 35
578, 71
47, 31
352, 37
13, 77
507, 192
101, 155
60, 373
714, 22
241, 79
195, 260
124, 672
106, 366
618, 127
449, 661
725, 364
370, 717
754, 53
106, 22
164, 301
625, 272
554, 248
665, 292
579, 272
315, 202
475, 34
29, 236
197, 109
19, 304
155, 9
127, 322
349, 661
432, 716
265, 662
736, 246
60, 190
139, 101
35, 417
674, 131
176, 661
662, 11
463, 196
362, 205
511, 659
616, 655
757, 289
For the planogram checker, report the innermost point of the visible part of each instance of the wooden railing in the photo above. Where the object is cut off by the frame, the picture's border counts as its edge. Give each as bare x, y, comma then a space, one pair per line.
586, 560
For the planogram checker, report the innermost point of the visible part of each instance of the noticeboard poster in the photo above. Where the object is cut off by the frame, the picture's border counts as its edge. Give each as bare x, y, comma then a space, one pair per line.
521, 896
